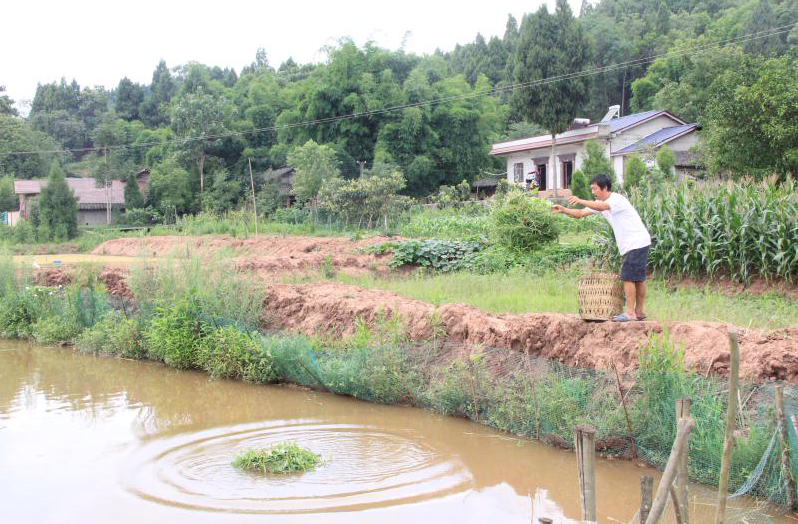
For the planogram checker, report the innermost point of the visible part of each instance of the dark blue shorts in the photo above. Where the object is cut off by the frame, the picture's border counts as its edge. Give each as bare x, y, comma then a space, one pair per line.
633, 268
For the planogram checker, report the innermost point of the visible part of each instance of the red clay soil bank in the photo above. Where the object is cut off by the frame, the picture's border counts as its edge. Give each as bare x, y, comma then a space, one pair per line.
331, 308
264, 253
114, 279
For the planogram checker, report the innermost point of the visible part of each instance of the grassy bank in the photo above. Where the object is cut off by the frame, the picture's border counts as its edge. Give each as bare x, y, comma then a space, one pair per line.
190, 315
555, 291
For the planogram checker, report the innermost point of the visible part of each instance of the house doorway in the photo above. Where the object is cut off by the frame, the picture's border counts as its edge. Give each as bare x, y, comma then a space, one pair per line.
567, 171
542, 177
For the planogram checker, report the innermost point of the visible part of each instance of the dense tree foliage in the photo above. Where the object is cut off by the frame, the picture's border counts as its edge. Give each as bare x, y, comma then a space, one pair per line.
432, 117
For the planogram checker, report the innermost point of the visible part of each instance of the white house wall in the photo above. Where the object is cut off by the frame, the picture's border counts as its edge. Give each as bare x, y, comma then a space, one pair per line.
684, 143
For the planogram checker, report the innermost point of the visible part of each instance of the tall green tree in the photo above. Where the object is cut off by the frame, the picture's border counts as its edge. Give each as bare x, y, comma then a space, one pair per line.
197, 120
154, 111
6, 104
129, 97
551, 45
170, 189
133, 196
58, 207
314, 163
596, 162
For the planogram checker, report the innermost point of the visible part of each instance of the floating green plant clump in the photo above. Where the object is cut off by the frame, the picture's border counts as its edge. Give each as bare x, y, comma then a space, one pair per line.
286, 457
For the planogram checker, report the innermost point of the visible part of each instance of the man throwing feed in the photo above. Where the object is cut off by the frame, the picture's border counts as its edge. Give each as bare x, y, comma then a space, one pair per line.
630, 234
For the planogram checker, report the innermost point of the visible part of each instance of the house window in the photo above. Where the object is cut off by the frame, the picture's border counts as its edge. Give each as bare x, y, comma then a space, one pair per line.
567, 171
542, 177
518, 173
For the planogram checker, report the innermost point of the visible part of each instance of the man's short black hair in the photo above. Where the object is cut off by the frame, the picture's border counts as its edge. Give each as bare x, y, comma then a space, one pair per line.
602, 180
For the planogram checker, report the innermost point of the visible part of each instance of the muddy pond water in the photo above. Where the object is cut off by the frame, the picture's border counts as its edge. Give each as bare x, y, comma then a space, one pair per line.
96, 440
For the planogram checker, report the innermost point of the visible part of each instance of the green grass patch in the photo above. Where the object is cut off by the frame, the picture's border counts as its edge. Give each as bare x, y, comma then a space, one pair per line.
555, 291
283, 458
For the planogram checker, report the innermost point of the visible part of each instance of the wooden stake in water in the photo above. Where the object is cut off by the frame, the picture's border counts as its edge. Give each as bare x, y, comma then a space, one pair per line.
646, 488
731, 415
685, 426
585, 445
683, 411
786, 469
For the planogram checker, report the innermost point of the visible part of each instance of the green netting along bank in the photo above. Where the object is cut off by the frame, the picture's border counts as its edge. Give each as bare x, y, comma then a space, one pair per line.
540, 399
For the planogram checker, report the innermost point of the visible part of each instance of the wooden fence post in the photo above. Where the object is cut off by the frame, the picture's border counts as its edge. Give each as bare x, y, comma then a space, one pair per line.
786, 469
686, 425
585, 446
682, 475
646, 488
731, 415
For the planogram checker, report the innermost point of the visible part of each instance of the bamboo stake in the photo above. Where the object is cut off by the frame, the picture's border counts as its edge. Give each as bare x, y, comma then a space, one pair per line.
685, 426
585, 445
731, 415
786, 470
683, 515
646, 487
625, 412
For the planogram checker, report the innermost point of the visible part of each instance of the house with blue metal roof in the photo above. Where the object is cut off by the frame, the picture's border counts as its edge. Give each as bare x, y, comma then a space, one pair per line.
620, 136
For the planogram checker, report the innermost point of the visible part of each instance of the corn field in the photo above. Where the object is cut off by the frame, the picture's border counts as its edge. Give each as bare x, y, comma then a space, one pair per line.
738, 230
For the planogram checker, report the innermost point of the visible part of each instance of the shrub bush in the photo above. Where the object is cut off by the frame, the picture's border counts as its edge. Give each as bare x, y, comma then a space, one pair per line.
19, 311
174, 335
228, 352
523, 223
116, 335
53, 330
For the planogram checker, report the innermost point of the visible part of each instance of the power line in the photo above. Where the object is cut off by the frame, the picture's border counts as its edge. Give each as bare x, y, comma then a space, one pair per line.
496, 90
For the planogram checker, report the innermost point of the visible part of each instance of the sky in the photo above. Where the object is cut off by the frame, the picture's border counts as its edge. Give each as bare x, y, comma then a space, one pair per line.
99, 42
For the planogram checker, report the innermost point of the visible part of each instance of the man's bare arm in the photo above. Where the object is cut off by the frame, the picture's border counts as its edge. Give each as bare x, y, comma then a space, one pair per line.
597, 205
575, 213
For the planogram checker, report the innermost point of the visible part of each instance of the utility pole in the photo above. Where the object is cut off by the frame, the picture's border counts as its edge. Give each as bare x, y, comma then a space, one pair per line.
254, 203
107, 193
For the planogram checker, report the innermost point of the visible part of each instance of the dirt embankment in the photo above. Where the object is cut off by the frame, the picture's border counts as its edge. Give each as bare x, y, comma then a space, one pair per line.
332, 308
278, 254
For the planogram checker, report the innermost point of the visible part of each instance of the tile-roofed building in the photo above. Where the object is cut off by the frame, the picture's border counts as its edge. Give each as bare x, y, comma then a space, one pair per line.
92, 200
616, 134
658, 138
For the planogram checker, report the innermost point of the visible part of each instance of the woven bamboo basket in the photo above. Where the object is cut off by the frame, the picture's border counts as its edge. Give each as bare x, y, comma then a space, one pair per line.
600, 296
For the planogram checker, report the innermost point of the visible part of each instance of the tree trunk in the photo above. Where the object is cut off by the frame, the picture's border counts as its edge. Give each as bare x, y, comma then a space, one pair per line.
553, 163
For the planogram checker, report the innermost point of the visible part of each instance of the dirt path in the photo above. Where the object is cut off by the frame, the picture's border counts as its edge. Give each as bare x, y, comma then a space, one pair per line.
283, 254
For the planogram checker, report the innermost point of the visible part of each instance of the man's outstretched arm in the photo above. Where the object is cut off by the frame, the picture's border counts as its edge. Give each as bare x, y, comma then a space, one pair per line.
597, 205
575, 213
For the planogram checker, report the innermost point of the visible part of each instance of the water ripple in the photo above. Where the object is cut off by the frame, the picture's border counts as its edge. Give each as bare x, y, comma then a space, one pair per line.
364, 467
